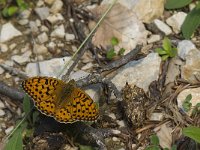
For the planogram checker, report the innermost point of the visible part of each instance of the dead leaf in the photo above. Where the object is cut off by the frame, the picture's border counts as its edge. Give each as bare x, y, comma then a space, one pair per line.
164, 134
120, 23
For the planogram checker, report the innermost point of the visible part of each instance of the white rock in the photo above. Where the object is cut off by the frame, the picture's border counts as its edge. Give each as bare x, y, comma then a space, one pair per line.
191, 70
163, 27
140, 73
21, 59
115, 139
192, 6
154, 38
8, 130
8, 32
80, 74
195, 92
94, 92
3, 48
156, 116
2, 104
48, 68
9, 63
69, 37
44, 29
38, 22
1, 70
43, 37
59, 32
40, 3
146, 10
42, 12
49, 1
33, 26
51, 45
184, 47
121, 123
2, 113
112, 115
87, 66
40, 49
55, 18
57, 6
12, 46
24, 14
176, 21
23, 21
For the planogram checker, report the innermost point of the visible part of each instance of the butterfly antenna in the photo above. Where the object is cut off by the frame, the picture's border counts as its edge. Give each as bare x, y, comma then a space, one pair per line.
86, 39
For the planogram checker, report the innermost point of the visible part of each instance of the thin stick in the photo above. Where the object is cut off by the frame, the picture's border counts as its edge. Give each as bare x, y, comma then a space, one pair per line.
86, 39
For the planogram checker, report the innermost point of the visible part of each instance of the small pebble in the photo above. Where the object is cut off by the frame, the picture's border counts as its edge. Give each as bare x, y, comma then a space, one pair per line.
42, 38
115, 139
2, 113
1, 72
69, 37
8, 130
12, 46
3, 48
112, 115
2, 104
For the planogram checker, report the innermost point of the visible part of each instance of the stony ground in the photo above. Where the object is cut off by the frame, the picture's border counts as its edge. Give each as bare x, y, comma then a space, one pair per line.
148, 93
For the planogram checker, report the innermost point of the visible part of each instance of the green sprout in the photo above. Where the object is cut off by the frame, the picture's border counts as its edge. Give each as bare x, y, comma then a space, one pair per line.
167, 49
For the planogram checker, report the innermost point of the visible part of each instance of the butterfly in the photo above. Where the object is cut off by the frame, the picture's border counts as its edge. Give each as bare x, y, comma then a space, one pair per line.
65, 102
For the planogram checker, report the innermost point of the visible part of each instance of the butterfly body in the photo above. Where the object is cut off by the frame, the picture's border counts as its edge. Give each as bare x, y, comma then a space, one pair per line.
63, 101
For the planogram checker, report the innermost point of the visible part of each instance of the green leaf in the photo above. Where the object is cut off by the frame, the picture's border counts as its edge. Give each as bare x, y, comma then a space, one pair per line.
196, 108
164, 57
166, 44
160, 51
9, 11
15, 142
110, 54
121, 51
192, 132
154, 139
174, 147
191, 22
173, 4
187, 106
35, 116
22, 4
188, 98
26, 104
173, 52
152, 147
186, 103
114, 41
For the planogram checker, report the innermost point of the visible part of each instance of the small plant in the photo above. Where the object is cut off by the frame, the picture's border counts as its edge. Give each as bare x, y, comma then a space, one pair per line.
187, 104
111, 52
15, 138
192, 132
192, 20
10, 9
167, 50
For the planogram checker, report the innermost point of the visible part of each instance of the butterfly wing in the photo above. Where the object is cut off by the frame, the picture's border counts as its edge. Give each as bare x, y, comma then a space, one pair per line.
81, 108
42, 91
